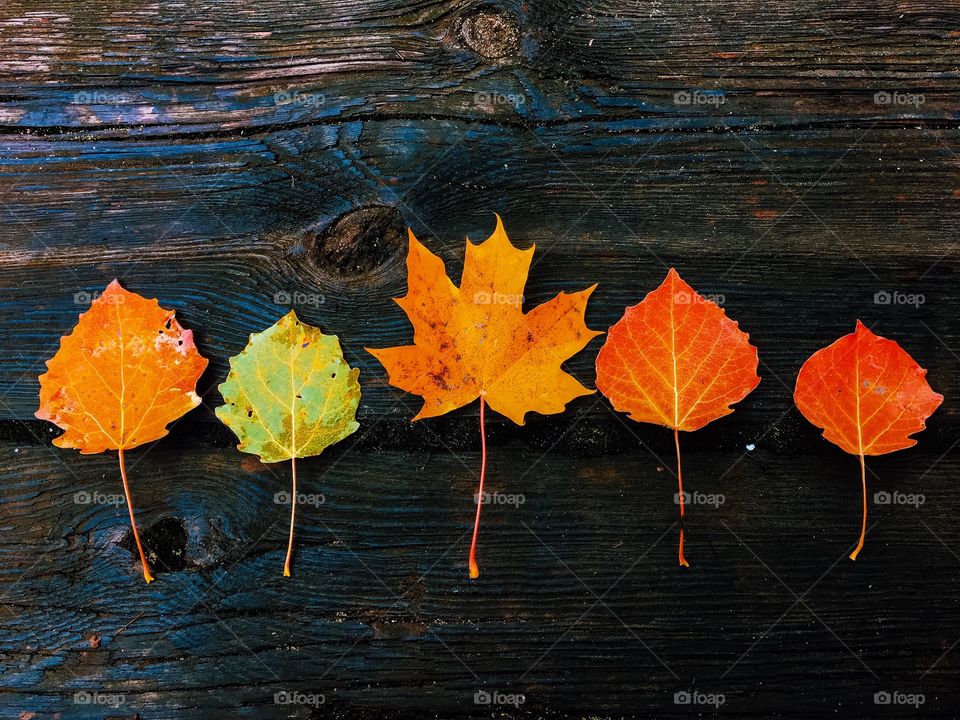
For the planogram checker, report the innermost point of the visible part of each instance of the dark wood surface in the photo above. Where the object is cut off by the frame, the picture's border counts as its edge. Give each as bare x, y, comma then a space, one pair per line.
217, 154
580, 605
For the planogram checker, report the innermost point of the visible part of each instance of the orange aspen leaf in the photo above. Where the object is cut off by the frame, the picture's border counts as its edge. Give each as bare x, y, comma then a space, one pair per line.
676, 360
474, 341
125, 372
868, 396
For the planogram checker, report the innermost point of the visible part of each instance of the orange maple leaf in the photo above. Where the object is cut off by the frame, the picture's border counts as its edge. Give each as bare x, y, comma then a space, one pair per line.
676, 360
125, 371
475, 341
868, 396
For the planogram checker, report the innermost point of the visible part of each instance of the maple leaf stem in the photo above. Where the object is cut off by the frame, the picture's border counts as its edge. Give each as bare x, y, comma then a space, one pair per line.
133, 523
474, 569
676, 441
863, 525
293, 515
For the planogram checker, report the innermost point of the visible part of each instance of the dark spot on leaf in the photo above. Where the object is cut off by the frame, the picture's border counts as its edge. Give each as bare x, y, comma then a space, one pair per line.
439, 380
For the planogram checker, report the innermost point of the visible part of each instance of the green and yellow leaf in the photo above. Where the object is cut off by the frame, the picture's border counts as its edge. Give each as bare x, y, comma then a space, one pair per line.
290, 393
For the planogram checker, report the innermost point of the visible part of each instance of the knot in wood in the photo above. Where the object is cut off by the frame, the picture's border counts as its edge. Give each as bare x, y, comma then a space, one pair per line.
491, 33
165, 545
360, 241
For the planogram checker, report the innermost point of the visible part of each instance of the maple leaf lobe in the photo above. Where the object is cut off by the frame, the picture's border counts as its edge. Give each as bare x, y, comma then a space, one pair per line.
475, 339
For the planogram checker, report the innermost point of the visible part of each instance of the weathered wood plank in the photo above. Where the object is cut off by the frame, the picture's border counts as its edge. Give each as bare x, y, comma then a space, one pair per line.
215, 154
798, 234
379, 614
147, 69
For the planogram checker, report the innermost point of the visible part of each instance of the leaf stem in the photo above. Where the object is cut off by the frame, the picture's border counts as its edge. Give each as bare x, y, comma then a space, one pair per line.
474, 569
133, 523
293, 515
676, 441
863, 526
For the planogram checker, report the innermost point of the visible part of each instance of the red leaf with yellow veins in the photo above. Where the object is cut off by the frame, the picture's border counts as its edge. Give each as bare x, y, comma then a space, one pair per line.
125, 372
676, 360
475, 341
868, 396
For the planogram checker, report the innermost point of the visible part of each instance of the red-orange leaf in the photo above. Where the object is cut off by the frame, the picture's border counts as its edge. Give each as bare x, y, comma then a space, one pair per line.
676, 360
125, 372
868, 396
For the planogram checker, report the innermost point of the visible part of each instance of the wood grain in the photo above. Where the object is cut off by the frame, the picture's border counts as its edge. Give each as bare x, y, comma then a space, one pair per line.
622, 212
201, 157
232, 158
379, 615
